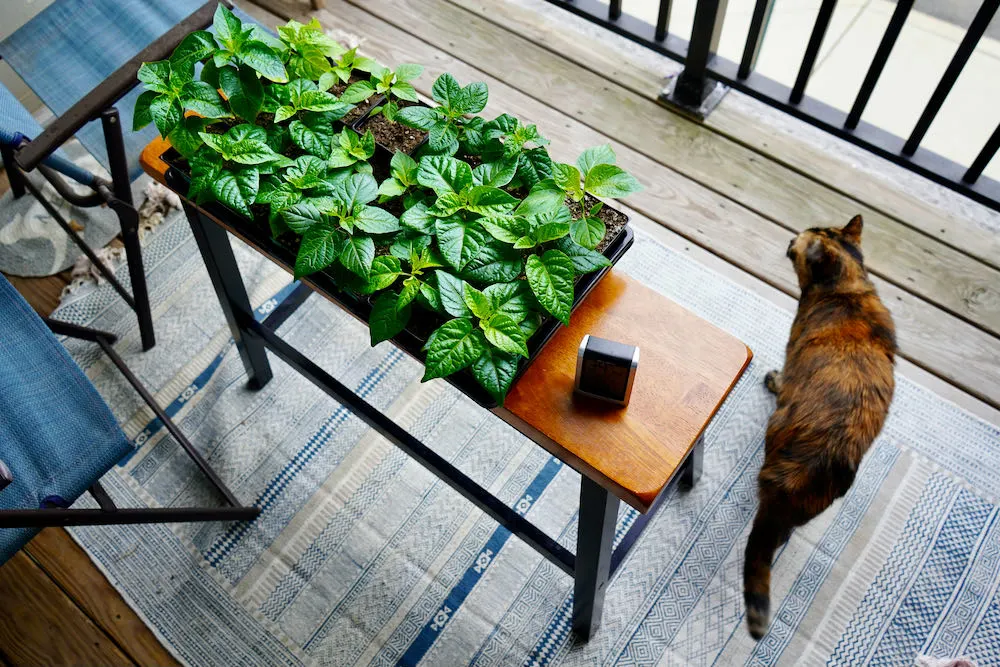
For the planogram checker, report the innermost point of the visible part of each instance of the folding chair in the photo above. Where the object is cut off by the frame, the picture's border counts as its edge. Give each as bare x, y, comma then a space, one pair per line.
81, 58
58, 437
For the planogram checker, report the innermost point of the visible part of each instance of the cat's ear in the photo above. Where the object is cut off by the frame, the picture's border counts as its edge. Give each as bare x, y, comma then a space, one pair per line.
852, 230
824, 264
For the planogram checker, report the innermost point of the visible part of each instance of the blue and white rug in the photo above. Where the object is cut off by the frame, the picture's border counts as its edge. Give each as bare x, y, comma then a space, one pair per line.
362, 557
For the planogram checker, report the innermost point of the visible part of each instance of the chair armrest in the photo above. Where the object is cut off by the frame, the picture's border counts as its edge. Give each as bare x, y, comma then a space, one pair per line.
110, 90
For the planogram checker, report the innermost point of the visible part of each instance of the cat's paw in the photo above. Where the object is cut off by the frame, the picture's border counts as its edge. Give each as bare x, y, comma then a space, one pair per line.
773, 381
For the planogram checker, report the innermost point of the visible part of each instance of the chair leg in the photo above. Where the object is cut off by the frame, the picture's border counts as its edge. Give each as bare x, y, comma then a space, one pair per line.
129, 219
14, 175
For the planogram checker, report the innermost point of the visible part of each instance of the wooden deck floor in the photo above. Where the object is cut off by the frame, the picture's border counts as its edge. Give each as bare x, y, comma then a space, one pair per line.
729, 192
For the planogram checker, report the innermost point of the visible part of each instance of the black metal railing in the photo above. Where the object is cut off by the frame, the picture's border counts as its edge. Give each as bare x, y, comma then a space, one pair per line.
706, 76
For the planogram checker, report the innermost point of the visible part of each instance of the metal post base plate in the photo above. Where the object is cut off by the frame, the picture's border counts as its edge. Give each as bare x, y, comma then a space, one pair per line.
700, 112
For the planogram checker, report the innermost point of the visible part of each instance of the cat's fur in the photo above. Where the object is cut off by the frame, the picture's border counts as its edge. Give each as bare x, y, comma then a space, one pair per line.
833, 396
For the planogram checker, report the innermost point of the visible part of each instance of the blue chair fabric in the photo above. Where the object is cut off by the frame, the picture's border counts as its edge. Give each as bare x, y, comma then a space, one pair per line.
16, 122
57, 435
73, 45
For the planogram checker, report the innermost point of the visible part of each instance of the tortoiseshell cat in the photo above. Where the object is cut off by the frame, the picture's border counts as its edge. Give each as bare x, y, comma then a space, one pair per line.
833, 396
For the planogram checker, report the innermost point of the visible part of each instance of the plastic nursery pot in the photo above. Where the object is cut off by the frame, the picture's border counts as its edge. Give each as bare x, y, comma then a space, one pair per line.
392, 136
257, 233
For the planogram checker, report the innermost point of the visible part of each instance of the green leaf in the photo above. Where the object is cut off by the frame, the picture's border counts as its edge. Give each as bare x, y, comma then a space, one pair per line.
446, 90
588, 232
316, 100
300, 217
447, 205
388, 318
166, 113
196, 46
357, 189
251, 151
496, 174
404, 168
592, 157
430, 298
452, 294
551, 279
404, 91
418, 219
525, 242
244, 90
506, 228
408, 244
306, 172
156, 76
584, 260
472, 99
458, 240
142, 116
567, 177
201, 98
494, 264
510, 298
443, 139
262, 58
607, 180
477, 302
320, 247
390, 188
313, 134
544, 197
359, 91
411, 288
226, 25
283, 113
185, 136
419, 117
550, 231
233, 192
505, 334
487, 200
533, 166
455, 345
495, 371
384, 272
375, 220
444, 174
357, 255
408, 71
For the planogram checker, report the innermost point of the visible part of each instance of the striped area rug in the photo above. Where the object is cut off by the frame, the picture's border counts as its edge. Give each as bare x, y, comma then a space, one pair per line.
362, 557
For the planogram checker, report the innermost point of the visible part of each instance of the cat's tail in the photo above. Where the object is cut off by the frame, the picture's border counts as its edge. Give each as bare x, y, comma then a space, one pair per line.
763, 542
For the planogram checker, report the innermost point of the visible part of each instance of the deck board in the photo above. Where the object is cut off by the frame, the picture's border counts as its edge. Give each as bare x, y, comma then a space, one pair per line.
932, 339
731, 120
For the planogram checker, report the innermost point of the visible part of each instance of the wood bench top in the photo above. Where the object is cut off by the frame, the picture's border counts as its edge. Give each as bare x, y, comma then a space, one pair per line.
687, 368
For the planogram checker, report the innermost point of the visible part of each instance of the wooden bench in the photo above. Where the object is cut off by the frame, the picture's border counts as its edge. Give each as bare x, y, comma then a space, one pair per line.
687, 369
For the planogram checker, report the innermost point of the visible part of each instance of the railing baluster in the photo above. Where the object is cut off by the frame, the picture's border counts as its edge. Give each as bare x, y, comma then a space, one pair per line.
984, 157
615, 10
965, 49
755, 37
812, 49
663, 21
693, 86
892, 31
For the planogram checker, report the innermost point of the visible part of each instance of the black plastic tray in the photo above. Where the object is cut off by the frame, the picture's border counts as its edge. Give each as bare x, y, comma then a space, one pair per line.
259, 236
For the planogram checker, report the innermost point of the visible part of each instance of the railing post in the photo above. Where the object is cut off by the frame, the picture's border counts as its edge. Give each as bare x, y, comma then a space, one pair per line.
692, 90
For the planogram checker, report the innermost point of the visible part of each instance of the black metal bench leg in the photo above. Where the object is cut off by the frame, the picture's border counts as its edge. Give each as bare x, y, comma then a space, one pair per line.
594, 542
128, 217
213, 242
14, 175
692, 467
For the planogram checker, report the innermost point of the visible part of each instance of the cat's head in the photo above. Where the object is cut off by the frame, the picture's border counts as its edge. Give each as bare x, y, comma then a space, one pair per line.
827, 256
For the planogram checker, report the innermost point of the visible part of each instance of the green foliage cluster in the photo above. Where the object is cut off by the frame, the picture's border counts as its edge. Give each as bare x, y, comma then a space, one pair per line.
487, 250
